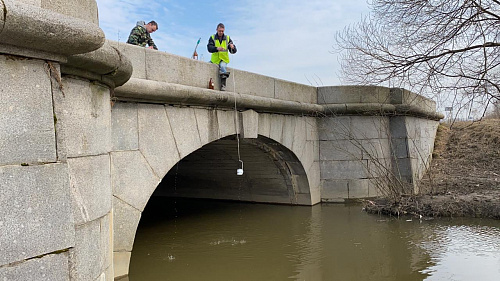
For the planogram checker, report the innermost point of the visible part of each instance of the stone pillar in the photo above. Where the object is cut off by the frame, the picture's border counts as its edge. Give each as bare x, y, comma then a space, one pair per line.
56, 219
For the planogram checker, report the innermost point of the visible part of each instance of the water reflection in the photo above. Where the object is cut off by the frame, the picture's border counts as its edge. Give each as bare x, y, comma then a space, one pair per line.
209, 240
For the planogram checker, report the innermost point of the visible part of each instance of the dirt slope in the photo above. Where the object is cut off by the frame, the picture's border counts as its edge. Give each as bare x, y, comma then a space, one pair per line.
464, 179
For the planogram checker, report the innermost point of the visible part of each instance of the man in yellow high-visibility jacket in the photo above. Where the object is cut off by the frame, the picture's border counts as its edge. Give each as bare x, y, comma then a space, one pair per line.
219, 45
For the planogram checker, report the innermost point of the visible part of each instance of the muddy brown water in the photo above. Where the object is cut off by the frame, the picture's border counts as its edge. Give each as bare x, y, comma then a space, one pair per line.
214, 240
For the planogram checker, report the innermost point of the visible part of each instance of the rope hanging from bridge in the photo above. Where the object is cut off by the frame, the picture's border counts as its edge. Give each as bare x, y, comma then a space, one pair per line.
239, 172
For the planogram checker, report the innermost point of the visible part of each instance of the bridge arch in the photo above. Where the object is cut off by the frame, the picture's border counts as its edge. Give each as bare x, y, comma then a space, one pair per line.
154, 145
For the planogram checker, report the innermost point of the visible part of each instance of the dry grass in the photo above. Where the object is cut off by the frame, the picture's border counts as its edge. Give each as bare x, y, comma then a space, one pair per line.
464, 178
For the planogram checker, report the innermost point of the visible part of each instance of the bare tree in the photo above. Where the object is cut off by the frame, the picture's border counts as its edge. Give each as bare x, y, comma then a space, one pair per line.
427, 46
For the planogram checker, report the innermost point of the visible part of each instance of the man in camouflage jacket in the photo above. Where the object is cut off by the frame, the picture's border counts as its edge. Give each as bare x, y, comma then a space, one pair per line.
140, 34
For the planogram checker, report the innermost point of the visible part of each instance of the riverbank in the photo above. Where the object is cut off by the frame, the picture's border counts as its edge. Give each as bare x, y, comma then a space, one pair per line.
464, 177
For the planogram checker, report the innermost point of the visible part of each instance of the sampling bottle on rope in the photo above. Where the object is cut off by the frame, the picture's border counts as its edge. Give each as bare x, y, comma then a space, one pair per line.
220, 45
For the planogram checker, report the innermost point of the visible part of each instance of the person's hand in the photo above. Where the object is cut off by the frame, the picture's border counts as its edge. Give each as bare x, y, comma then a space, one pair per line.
220, 49
150, 47
231, 45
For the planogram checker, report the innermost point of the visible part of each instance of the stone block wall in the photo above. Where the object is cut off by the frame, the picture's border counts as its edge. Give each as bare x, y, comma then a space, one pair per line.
54, 174
354, 155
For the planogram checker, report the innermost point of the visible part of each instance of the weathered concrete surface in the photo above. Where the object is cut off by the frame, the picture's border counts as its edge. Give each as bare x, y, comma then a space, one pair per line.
133, 180
156, 140
50, 267
81, 9
30, 27
184, 128
353, 94
36, 3
121, 262
285, 90
208, 128
136, 55
126, 219
124, 123
27, 122
86, 256
226, 121
91, 258
90, 187
35, 204
83, 116
250, 121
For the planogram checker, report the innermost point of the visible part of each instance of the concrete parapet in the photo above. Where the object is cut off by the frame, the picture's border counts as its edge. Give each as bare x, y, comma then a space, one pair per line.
31, 27
353, 94
249, 83
150, 64
286, 90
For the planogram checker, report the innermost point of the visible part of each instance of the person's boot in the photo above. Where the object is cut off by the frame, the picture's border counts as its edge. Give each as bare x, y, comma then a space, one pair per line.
223, 78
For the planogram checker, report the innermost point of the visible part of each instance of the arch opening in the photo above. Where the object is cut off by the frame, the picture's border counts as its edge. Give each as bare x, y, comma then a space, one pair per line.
272, 173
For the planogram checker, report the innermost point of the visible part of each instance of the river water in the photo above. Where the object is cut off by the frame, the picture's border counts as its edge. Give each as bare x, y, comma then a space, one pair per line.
213, 240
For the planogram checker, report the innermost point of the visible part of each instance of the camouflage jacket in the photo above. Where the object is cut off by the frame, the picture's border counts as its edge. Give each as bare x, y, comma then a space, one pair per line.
140, 37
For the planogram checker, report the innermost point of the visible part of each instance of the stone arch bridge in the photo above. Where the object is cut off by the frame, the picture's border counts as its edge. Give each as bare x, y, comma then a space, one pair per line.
91, 129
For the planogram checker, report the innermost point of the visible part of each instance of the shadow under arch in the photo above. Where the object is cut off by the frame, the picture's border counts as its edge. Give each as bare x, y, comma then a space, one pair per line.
272, 173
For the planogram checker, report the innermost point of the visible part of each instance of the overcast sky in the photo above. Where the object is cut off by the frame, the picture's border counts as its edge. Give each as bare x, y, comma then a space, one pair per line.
290, 40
